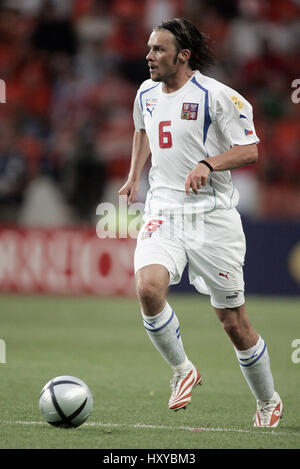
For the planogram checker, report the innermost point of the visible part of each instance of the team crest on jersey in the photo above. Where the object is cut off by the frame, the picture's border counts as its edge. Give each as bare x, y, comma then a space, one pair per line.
151, 105
237, 102
189, 111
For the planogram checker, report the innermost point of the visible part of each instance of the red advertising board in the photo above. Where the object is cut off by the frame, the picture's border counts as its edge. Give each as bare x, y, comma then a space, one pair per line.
65, 261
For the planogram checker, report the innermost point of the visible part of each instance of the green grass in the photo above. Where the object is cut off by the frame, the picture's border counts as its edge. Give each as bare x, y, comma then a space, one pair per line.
102, 341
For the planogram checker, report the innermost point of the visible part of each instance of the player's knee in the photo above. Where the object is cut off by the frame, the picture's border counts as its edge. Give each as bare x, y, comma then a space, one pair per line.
149, 289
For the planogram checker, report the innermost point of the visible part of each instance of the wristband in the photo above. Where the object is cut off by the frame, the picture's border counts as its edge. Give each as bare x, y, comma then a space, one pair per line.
207, 164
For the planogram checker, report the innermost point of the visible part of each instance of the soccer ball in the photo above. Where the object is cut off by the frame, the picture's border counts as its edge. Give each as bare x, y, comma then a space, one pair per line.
66, 401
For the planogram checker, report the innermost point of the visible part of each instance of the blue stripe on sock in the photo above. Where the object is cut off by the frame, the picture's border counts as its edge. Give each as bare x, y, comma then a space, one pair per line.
149, 324
160, 328
256, 359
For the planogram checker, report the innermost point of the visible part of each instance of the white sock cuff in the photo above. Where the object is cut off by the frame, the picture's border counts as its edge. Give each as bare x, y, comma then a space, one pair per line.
158, 322
249, 357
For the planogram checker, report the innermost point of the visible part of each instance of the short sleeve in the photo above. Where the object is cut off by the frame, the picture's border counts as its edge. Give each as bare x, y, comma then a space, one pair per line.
138, 117
234, 116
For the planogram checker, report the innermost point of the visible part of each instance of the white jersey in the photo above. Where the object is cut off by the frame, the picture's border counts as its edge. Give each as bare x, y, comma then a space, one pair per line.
201, 119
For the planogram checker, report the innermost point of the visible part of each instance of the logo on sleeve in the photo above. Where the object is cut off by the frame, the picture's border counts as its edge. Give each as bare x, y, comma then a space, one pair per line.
248, 132
189, 111
237, 102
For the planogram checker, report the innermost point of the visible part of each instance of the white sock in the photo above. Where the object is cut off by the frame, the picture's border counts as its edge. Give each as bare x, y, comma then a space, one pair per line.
163, 331
255, 366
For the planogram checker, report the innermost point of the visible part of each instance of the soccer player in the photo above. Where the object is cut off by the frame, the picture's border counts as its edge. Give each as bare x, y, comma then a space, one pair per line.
197, 130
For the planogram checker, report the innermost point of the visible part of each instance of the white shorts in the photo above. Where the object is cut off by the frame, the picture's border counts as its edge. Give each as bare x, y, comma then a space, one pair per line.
211, 244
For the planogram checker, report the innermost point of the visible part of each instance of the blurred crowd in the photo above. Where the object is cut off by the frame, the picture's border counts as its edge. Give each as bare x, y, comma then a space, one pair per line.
72, 69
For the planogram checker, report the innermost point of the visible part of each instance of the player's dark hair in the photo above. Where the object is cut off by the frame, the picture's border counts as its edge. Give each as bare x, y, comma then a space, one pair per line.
189, 37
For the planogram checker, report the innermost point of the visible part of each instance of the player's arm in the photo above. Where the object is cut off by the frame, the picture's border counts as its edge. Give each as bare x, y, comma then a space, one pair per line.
140, 154
236, 157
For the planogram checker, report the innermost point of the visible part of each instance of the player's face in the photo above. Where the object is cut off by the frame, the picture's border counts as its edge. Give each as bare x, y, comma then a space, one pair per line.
162, 56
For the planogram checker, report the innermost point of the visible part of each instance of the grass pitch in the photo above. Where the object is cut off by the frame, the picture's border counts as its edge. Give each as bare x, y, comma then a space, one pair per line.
103, 342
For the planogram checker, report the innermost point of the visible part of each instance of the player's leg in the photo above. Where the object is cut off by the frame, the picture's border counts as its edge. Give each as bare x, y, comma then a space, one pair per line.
160, 321
162, 326
160, 259
152, 282
250, 349
220, 266
237, 326
253, 357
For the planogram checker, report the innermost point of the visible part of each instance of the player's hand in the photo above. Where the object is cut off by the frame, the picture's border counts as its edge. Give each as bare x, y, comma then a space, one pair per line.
196, 179
130, 189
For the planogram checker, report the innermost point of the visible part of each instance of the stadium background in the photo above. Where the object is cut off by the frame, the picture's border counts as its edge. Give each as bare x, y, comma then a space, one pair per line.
71, 70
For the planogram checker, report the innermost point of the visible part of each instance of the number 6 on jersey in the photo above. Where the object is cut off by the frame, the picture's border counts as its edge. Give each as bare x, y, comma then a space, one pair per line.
165, 137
